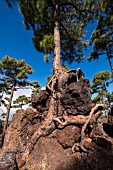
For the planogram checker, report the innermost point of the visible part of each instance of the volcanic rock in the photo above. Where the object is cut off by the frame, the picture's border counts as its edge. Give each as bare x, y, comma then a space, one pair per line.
54, 150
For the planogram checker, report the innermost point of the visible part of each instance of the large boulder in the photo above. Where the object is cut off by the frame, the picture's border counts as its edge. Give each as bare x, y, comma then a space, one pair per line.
76, 97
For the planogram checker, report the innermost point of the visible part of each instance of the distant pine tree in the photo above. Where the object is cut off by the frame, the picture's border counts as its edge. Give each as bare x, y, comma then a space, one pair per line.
15, 73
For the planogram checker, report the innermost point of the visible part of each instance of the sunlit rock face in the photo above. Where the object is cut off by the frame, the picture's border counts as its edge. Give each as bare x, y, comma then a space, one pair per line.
54, 150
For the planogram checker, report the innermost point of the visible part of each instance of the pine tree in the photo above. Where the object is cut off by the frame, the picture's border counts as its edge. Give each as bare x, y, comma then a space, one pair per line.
23, 99
100, 84
15, 72
58, 27
102, 36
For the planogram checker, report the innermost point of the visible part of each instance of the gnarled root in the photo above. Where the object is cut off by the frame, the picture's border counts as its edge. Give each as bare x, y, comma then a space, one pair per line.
81, 120
45, 129
80, 146
93, 110
78, 120
49, 83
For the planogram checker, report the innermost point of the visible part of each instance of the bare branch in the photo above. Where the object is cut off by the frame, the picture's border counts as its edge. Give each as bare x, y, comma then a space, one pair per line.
73, 5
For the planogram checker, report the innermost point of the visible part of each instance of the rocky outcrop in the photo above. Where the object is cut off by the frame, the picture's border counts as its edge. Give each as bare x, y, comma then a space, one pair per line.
75, 96
58, 149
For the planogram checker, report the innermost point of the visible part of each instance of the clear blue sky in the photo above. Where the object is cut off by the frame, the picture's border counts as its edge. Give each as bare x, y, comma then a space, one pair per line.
16, 42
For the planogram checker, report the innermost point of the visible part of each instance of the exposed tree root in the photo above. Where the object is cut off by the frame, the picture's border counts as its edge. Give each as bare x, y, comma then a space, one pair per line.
93, 110
79, 145
48, 125
45, 129
82, 120
49, 84
78, 120
97, 115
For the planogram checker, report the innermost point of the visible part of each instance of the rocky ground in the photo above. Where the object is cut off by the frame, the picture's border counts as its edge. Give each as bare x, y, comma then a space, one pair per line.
59, 148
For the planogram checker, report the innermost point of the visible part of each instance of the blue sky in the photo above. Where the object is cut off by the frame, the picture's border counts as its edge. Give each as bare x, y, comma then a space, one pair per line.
16, 42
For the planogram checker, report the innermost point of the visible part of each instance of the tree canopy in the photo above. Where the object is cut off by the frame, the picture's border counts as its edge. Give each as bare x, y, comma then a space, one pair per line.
102, 36
72, 17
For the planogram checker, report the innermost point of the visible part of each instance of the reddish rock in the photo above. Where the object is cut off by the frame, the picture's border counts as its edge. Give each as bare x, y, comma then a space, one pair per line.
53, 151
68, 136
76, 98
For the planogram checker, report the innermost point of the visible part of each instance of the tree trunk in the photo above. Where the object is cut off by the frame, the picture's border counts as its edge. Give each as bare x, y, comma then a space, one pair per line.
56, 60
8, 109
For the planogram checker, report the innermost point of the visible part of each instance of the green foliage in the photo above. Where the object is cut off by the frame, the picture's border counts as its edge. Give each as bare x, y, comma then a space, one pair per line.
73, 17
100, 78
4, 89
102, 37
35, 87
15, 71
65, 68
101, 81
49, 78
47, 44
111, 97
21, 101
99, 97
96, 99
46, 58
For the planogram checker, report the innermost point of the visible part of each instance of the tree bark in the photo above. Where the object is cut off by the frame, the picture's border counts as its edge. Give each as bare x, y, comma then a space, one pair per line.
56, 60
